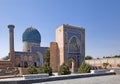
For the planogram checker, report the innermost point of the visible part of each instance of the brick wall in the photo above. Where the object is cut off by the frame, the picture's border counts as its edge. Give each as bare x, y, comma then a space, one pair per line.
54, 56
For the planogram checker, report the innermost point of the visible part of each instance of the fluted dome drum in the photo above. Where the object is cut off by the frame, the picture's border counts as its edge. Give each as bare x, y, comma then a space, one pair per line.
31, 35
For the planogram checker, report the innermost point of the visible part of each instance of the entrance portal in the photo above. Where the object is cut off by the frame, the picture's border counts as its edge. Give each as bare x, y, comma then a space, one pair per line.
71, 63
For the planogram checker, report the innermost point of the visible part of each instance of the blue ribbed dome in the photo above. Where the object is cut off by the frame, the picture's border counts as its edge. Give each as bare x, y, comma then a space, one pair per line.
31, 35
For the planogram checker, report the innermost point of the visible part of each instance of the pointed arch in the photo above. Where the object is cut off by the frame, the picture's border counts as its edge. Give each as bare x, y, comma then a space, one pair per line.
39, 59
74, 44
72, 68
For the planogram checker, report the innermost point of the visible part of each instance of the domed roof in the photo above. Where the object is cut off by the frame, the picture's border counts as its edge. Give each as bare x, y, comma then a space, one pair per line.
31, 35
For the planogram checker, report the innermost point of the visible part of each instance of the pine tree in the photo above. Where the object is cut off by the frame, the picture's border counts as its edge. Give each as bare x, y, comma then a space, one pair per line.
46, 66
64, 69
84, 68
32, 70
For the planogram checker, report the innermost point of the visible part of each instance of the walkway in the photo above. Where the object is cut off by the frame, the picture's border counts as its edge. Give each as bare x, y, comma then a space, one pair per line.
110, 79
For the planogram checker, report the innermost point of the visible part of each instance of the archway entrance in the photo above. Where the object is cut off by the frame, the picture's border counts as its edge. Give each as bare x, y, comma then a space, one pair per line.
71, 64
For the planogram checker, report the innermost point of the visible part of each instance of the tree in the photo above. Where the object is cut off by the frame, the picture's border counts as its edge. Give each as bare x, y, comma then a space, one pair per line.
45, 69
84, 68
32, 70
118, 65
105, 65
47, 58
46, 66
88, 58
5, 58
116, 56
64, 69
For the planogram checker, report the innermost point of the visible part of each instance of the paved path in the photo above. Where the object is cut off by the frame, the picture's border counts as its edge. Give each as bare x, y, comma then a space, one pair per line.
111, 79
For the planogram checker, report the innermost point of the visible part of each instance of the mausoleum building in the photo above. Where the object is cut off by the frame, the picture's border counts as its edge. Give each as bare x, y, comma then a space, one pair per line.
69, 46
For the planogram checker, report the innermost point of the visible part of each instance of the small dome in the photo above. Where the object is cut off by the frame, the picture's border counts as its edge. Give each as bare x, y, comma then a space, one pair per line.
31, 35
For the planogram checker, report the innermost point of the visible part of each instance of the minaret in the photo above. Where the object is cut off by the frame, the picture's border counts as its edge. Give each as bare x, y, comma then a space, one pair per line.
11, 42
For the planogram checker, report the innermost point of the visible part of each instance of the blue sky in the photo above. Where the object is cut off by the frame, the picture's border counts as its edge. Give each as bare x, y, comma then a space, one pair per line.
100, 18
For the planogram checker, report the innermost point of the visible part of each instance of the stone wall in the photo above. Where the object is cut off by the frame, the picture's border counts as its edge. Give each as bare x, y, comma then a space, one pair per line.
113, 62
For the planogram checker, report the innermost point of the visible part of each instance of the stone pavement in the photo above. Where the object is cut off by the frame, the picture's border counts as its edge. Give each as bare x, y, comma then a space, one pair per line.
110, 79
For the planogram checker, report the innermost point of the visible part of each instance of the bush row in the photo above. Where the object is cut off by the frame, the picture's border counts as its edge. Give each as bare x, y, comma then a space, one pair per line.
64, 69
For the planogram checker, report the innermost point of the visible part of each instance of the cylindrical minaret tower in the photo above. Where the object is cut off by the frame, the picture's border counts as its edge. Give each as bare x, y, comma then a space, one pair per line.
11, 37
11, 42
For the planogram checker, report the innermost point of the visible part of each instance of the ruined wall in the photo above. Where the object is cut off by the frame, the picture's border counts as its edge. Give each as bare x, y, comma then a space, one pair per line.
54, 56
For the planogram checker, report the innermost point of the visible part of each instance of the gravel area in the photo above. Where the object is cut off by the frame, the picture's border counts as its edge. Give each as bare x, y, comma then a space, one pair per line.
111, 79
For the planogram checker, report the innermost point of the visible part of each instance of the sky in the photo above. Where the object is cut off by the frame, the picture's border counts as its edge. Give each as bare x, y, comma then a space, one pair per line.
100, 18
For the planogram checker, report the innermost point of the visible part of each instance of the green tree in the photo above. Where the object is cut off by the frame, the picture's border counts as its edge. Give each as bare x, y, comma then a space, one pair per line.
116, 56
84, 68
45, 69
88, 58
46, 66
105, 65
64, 69
5, 58
118, 65
32, 70
47, 58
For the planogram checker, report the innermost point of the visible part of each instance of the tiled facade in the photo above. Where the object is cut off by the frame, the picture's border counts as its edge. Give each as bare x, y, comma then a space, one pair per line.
71, 45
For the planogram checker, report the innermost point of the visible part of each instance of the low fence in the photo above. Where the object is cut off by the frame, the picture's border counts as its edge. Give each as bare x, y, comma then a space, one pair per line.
54, 78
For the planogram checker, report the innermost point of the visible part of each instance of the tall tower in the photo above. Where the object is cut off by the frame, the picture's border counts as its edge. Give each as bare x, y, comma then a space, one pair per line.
11, 37
11, 42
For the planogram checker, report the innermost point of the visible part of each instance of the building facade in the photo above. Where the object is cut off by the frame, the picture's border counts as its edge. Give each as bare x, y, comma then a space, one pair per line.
32, 54
70, 46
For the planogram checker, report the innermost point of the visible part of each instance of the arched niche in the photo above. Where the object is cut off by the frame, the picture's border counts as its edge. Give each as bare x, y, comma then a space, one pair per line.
74, 45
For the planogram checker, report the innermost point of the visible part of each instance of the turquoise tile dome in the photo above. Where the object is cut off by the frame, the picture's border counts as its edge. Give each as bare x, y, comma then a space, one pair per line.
31, 35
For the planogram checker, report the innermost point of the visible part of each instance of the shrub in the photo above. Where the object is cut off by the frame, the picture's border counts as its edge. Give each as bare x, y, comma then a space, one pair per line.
84, 68
105, 65
118, 65
64, 70
5, 58
88, 58
45, 69
32, 70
